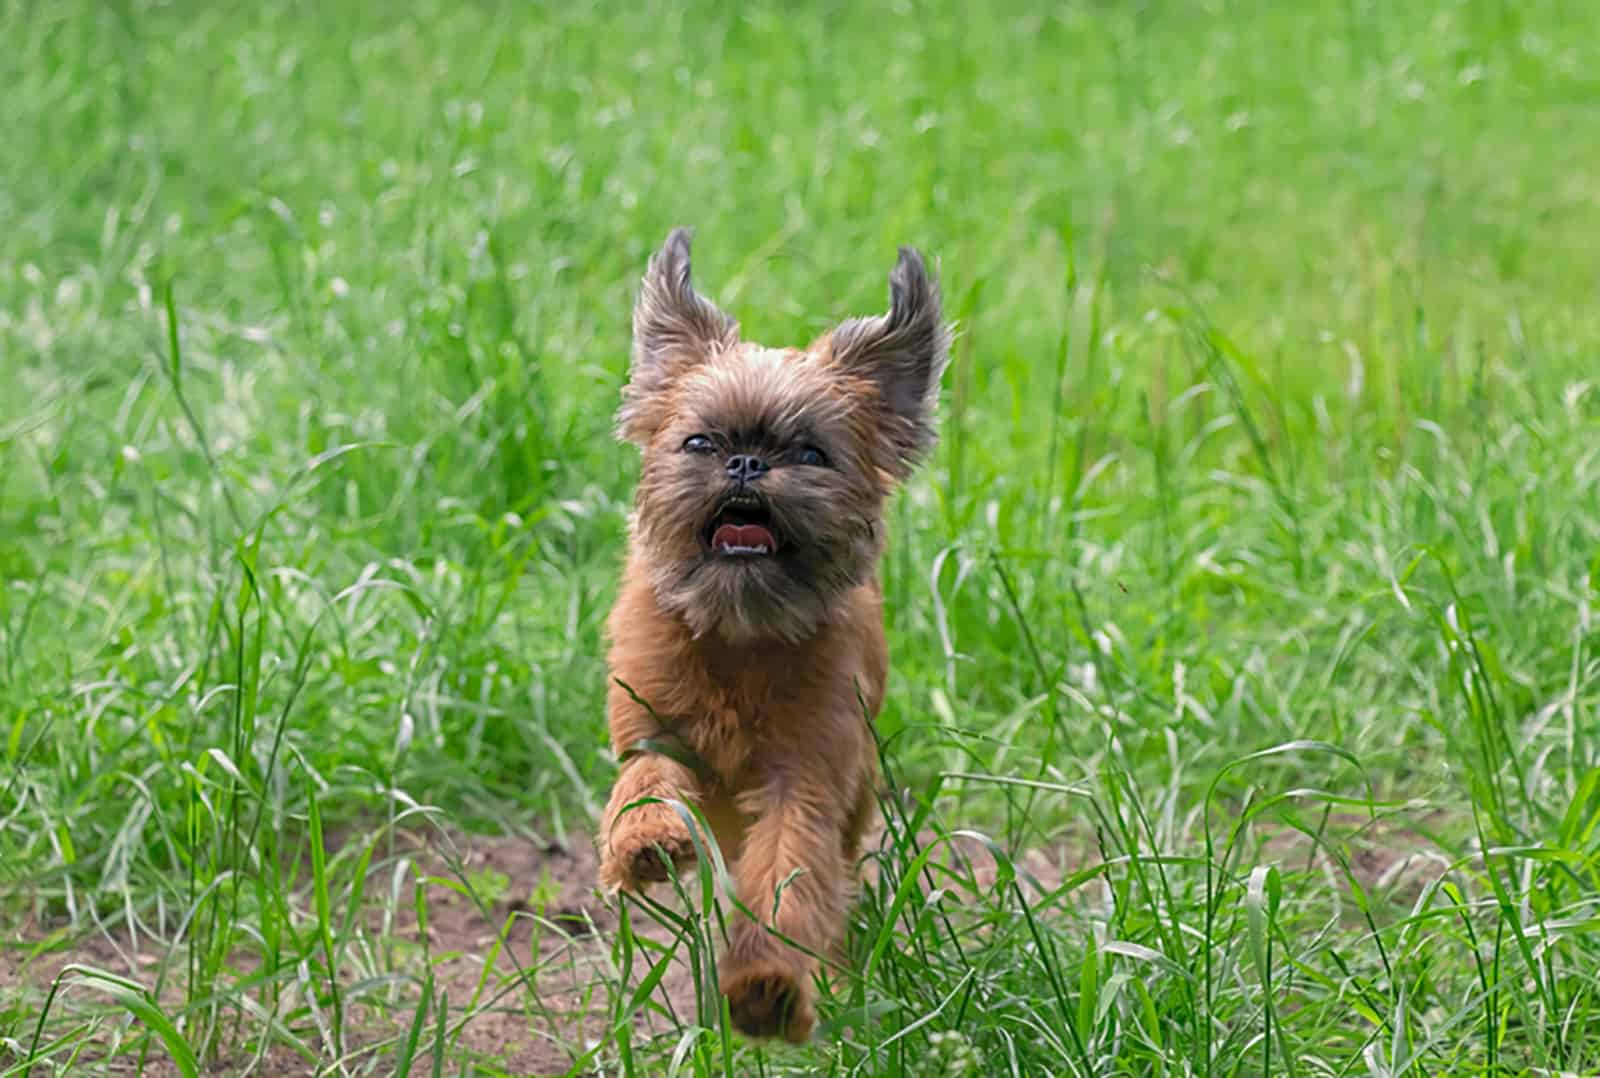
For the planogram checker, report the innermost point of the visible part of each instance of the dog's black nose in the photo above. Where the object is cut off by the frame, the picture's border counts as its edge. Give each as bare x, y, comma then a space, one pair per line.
744, 467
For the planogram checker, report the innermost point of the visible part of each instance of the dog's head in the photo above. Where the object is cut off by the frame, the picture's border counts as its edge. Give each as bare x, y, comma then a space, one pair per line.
765, 470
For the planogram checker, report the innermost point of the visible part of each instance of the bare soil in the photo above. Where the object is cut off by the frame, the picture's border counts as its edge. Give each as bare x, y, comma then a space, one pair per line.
534, 1004
531, 1005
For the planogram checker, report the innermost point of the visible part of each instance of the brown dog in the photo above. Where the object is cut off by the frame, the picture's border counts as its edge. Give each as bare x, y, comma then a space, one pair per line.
749, 626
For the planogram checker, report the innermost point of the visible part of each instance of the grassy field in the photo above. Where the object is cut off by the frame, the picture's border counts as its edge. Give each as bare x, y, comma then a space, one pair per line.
1247, 608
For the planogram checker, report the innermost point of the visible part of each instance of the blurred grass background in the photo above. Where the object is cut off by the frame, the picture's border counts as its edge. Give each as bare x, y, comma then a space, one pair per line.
1273, 418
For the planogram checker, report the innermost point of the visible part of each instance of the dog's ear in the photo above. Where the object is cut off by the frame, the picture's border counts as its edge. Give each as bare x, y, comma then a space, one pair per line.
674, 328
903, 353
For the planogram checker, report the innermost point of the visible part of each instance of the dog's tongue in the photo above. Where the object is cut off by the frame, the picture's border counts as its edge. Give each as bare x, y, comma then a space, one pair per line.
741, 538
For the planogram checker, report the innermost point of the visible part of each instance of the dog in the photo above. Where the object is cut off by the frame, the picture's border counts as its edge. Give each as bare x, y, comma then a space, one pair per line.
747, 634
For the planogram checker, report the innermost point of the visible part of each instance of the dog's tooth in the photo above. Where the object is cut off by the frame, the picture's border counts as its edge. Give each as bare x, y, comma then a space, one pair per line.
728, 548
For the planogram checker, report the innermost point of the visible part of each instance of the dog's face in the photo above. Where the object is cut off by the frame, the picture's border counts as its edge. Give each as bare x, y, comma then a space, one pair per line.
765, 470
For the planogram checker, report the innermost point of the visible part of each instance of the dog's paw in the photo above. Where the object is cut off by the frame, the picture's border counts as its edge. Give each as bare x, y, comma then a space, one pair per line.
647, 845
769, 1000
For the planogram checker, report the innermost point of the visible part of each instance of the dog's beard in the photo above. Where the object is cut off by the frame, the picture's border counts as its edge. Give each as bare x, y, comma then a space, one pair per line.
785, 595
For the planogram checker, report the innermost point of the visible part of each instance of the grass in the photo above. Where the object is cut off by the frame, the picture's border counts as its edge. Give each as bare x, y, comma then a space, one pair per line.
1256, 570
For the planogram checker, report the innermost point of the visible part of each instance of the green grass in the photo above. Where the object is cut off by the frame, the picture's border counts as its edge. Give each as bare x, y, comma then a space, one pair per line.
1268, 505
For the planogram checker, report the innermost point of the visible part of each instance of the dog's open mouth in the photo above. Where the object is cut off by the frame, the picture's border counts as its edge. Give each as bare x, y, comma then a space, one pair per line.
742, 528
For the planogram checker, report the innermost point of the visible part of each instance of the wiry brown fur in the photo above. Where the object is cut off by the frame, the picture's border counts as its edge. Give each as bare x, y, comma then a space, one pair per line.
761, 666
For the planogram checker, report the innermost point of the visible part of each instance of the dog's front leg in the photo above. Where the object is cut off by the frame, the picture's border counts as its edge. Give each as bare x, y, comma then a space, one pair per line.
634, 839
791, 874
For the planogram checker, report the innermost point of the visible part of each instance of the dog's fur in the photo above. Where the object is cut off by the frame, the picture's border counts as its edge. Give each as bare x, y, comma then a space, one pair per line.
760, 664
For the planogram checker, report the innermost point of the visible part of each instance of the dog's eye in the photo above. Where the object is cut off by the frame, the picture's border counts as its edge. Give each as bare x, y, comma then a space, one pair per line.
698, 443
812, 457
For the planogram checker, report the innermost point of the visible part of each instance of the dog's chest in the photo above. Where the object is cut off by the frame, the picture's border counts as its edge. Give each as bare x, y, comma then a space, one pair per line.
725, 728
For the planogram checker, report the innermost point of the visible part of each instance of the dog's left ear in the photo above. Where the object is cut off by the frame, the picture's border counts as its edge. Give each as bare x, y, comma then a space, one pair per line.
902, 353
674, 328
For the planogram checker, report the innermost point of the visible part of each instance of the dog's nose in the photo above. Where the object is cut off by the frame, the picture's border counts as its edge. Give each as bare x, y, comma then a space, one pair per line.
744, 468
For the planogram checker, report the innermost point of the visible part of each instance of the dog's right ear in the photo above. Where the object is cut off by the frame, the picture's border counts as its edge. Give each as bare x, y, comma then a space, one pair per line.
674, 328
